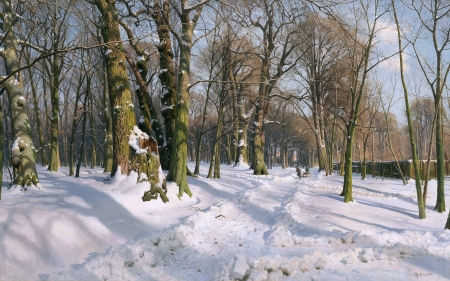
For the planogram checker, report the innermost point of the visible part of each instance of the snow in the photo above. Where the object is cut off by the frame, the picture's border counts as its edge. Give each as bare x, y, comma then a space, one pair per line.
275, 227
241, 165
241, 143
133, 140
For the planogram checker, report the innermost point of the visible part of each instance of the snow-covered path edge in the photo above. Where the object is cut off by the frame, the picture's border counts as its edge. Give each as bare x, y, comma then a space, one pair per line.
241, 237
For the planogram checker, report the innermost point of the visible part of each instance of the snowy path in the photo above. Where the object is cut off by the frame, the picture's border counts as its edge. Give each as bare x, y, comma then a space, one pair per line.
274, 227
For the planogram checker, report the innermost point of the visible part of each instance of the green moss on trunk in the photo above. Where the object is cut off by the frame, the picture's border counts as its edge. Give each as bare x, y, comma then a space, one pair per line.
259, 166
167, 78
120, 97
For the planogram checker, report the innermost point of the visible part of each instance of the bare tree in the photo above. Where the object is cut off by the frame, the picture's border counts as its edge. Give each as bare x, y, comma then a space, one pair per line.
274, 23
434, 17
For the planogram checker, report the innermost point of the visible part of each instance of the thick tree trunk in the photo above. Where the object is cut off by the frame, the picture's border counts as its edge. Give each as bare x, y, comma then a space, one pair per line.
1, 146
167, 77
242, 148
259, 166
177, 171
262, 106
119, 86
23, 151
178, 164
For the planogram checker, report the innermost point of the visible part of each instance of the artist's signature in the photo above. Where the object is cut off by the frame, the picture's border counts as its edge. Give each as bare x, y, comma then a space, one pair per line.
421, 274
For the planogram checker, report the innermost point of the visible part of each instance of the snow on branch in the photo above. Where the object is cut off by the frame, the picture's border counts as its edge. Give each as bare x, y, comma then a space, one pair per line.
249, 114
267, 122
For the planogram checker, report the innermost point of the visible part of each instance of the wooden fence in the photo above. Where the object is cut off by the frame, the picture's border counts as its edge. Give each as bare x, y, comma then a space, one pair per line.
390, 169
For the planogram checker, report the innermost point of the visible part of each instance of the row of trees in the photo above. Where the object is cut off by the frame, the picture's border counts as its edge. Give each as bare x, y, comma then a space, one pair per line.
269, 77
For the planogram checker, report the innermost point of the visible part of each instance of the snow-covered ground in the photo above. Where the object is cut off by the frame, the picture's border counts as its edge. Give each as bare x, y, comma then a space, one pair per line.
275, 227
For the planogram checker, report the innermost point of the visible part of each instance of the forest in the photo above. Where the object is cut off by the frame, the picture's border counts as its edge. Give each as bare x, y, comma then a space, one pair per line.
137, 85
157, 139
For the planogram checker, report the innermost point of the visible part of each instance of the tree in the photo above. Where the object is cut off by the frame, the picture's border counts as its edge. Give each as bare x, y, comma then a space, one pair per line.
434, 18
125, 132
178, 169
56, 30
274, 24
23, 155
360, 61
420, 202
322, 69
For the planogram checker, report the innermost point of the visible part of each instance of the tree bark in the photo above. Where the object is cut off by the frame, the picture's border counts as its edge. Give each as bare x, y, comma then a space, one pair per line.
23, 151
1, 145
178, 164
108, 150
54, 92
119, 86
412, 141
81, 150
93, 138
167, 78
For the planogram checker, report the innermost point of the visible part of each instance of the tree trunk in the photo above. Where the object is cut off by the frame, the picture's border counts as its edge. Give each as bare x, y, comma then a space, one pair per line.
167, 78
93, 138
447, 225
259, 166
119, 86
54, 91
229, 149
82, 149
412, 141
177, 171
201, 134
108, 150
75, 121
364, 166
427, 171
214, 166
65, 129
1, 145
440, 200
23, 154
348, 177
242, 149
178, 164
